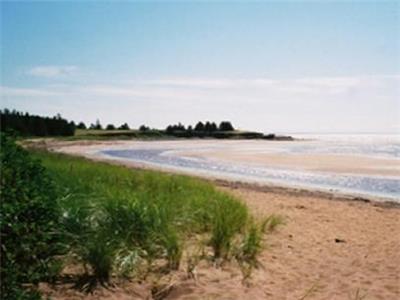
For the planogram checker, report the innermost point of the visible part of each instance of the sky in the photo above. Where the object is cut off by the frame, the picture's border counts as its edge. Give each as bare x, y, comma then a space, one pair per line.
272, 66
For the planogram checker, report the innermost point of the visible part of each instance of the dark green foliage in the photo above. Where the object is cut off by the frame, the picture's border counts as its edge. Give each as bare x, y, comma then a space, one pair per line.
210, 129
124, 126
226, 126
144, 128
199, 126
81, 125
30, 221
200, 130
96, 126
175, 128
110, 127
29, 125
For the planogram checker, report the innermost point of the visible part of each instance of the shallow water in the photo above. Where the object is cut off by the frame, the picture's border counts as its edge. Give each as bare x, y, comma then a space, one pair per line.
172, 157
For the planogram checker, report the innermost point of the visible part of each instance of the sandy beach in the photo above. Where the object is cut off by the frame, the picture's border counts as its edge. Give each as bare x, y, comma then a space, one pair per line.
330, 247
256, 152
262, 153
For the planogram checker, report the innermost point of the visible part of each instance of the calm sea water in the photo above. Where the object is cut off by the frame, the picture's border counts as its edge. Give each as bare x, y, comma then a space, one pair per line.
377, 146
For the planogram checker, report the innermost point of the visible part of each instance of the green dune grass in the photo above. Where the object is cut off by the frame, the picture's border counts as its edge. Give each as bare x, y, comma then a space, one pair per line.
119, 220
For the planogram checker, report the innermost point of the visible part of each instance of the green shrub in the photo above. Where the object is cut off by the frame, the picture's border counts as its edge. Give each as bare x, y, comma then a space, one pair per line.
30, 221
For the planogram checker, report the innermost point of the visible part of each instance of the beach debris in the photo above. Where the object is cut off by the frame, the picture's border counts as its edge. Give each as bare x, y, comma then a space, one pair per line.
300, 206
339, 240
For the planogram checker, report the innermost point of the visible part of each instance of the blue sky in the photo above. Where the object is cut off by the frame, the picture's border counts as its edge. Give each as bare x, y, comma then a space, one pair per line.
270, 66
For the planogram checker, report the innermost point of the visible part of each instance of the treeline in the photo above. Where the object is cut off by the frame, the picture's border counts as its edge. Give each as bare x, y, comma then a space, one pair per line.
206, 129
32, 125
98, 126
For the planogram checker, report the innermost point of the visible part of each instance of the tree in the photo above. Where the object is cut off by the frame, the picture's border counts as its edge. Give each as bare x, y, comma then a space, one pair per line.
144, 128
110, 127
30, 125
124, 127
226, 126
169, 129
207, 127
180, 127
199, 127
176, 127
81, 125
98, 125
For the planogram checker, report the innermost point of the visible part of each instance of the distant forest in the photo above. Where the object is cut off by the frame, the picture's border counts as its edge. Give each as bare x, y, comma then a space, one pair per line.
31, 125
206, 129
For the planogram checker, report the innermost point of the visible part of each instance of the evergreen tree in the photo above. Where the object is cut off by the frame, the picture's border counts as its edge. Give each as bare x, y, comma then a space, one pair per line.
226, 126
199, 127
124, 127
144, 128
28, 125
81, 125
98, 126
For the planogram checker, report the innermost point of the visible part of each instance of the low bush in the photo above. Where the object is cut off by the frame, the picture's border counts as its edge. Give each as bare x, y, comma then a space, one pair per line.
30, 219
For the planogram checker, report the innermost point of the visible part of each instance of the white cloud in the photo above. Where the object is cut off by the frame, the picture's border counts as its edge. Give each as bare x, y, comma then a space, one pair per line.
210, 83
220, 89
52, 71
328, 85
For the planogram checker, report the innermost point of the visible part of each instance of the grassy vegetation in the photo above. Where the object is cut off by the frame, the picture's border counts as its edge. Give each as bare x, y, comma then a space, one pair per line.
117, 133
120, 221
113, 221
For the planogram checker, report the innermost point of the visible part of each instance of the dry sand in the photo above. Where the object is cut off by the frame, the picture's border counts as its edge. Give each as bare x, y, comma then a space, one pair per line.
329, 248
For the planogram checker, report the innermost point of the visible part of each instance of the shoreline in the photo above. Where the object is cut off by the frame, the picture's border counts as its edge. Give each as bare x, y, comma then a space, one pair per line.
89, 149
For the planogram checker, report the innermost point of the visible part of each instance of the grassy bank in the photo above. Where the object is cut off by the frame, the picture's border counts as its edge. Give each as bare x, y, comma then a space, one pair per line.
123, 222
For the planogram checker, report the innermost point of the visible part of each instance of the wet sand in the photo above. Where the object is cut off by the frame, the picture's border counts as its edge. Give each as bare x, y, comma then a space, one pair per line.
329, 248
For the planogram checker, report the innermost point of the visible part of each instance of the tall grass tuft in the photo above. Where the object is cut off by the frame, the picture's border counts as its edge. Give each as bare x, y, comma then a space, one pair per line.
229, 217
99, 255
271, 222
251, 245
